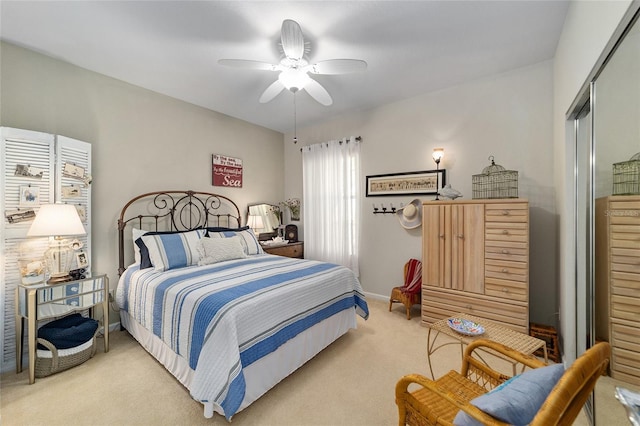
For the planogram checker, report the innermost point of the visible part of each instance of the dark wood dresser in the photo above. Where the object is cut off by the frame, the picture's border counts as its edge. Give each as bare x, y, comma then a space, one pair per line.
287, 250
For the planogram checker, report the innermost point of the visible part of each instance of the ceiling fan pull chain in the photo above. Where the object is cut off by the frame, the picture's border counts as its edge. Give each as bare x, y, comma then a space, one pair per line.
295, 120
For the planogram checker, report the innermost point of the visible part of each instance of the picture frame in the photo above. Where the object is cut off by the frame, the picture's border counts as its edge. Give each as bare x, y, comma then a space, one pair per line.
28, 171
71, 191
82, 212
73, 171
17, 216
82, 260
425, 182
29, 196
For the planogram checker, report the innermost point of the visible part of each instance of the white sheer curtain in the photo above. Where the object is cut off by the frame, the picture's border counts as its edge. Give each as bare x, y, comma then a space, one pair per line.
331, 174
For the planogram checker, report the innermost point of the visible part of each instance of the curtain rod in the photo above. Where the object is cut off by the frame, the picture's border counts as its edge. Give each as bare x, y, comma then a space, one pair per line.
357, 138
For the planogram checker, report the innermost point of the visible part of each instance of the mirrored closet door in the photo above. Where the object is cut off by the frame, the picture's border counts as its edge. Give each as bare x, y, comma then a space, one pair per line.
606, 120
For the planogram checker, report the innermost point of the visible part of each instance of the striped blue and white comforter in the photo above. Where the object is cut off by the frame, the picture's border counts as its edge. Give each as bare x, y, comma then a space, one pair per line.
223, 317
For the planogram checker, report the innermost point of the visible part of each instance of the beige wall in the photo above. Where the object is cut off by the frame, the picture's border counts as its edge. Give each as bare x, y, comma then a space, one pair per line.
587, 29
508, 116
141, 141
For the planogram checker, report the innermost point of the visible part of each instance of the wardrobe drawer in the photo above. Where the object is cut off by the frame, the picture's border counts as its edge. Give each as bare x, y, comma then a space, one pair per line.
625, 336
625, 236
437, 305
507, 212
506, 270
505, 289
625, 365
498, 231
519, 253
624, 307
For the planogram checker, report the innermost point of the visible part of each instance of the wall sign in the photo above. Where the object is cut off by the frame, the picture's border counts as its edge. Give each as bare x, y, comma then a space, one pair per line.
226, 171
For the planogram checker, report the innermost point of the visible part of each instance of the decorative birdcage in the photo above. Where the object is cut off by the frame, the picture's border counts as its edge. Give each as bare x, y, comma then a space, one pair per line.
626, 177
495, 182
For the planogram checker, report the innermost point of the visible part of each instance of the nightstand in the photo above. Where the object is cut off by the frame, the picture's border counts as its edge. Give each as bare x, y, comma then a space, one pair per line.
287, 250
41, 301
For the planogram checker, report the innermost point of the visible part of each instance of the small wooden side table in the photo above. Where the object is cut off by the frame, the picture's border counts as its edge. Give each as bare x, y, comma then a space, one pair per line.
498, 333
41, 301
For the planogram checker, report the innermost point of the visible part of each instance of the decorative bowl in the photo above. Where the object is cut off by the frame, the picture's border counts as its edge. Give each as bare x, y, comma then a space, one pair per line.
465, 327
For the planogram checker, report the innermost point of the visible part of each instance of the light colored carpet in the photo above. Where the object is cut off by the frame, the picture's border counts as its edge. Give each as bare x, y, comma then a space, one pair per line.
351, 382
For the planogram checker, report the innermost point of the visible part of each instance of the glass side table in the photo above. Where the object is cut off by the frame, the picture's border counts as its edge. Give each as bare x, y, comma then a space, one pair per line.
41, 301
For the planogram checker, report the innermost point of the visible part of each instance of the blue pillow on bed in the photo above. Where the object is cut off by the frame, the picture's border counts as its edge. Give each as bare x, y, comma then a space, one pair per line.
171, 251
518, 400
248, 239
143, 251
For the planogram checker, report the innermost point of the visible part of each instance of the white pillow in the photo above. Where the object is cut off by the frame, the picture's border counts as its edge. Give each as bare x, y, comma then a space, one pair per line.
171, 251
214, 250
248, 239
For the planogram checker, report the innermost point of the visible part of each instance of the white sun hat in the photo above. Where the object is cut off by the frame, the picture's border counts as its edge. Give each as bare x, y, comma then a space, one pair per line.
410, 216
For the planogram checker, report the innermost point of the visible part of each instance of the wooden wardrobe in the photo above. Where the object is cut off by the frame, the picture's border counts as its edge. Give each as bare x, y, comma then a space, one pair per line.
475, 256
617, 282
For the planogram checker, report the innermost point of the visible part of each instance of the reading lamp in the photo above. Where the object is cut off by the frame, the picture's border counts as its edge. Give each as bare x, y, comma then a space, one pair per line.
438, 153
57, 221
255, 222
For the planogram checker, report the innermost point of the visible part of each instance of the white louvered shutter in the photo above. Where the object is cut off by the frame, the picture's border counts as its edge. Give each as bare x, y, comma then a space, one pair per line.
43, 152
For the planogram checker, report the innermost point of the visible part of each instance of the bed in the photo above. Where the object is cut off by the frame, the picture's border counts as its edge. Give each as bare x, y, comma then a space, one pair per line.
226, 319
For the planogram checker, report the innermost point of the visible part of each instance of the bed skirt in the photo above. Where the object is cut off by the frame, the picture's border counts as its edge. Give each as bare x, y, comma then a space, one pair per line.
261, 375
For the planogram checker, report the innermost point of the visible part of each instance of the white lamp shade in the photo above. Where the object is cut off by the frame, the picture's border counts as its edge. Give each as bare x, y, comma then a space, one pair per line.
255, 222
56, 220
438, 153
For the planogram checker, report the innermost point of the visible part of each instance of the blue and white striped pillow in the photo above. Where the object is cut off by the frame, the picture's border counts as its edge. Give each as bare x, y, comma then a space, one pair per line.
248, 239
171, 251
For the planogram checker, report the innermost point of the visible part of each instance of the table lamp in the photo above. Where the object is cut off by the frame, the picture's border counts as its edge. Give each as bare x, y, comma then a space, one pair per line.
255, 222
57, 221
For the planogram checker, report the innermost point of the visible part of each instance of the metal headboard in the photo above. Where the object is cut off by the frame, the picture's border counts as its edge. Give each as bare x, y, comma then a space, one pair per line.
175, 211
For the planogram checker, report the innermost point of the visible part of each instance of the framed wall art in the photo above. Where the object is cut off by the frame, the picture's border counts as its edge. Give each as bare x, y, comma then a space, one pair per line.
29, 196
427, 182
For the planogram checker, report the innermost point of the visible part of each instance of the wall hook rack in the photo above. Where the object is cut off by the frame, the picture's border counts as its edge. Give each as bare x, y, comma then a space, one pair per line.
384, 210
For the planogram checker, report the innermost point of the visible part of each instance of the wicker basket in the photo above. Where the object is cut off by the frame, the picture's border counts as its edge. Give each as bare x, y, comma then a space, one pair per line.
626, 177
550, 336
60, 362
495, 182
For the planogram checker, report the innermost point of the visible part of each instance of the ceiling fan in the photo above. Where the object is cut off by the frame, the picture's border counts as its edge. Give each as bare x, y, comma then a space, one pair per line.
295, 69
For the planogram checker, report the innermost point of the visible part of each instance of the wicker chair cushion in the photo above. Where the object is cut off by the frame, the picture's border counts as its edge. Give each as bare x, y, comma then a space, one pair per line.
517, 400
68, 332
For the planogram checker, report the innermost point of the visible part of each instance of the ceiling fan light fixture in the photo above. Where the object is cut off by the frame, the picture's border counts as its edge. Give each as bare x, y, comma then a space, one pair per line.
294, 79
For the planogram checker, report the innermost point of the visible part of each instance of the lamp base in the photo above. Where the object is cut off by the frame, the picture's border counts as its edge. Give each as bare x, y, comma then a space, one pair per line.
58, 280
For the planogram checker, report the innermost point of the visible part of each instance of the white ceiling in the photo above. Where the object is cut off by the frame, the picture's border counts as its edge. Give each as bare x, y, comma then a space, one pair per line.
172, 47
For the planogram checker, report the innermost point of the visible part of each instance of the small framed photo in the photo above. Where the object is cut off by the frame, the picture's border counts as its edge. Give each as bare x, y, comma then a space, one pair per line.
16, 216
25, 170
29, 196
71, 170
81, 259
71, 191
82, 212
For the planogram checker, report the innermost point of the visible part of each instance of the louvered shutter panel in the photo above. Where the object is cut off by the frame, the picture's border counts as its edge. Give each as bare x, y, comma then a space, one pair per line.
48, 153
76, 153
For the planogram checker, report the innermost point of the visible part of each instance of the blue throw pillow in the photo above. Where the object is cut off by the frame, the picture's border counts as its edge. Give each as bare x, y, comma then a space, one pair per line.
171, 251
517, 400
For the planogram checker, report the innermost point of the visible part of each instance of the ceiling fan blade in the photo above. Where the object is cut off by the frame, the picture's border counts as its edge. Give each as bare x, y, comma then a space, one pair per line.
292, 40
337, 66
318, 92
248, 64
271, 92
